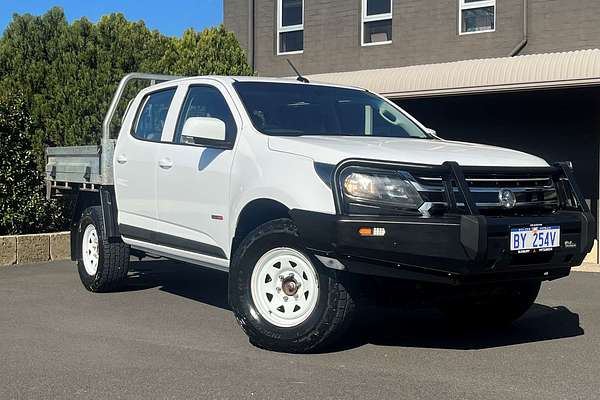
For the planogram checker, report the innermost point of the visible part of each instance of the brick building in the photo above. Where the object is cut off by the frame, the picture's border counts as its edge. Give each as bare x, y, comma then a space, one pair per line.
398, 33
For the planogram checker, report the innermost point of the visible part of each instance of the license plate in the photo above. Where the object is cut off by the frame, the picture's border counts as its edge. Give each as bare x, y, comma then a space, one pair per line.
534, 238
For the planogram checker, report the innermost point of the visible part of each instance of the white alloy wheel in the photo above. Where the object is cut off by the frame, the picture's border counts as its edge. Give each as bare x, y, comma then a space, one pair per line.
89, 250
285, 287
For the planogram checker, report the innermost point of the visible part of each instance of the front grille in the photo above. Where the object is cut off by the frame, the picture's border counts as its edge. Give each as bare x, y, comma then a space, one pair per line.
536, 194
531, 194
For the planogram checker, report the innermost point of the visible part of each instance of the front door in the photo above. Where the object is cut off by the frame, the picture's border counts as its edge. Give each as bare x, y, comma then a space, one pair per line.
193, 178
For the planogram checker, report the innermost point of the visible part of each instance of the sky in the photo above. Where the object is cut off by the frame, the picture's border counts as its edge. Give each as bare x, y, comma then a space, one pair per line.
171, 17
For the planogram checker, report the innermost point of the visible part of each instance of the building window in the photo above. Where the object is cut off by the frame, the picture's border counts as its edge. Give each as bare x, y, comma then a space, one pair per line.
477, 16
290, 26
376, 22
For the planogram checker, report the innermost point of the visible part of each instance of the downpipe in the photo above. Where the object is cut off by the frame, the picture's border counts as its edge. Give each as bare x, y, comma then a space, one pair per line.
251, 34
523, 42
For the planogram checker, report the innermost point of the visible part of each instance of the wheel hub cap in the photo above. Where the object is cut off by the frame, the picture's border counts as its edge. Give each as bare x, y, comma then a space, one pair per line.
290, 286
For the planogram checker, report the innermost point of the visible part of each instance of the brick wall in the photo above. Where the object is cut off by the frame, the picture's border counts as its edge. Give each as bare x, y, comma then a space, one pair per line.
235, 18
559, 25
424, 31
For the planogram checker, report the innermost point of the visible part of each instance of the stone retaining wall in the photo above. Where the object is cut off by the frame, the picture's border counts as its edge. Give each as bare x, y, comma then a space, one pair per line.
28, 249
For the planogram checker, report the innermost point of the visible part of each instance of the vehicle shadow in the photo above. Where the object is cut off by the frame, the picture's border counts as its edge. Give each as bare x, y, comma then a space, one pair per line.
204, 285
425, 328
428, 328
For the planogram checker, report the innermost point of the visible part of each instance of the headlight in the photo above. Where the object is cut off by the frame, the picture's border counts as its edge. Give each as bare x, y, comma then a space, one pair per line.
391, 190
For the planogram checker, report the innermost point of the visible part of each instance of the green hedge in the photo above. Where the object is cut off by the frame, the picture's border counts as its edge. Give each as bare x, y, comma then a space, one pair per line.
23, 207
57, 80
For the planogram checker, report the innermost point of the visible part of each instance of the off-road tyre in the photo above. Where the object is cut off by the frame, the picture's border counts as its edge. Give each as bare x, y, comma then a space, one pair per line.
331, 316
113, 255
492, 306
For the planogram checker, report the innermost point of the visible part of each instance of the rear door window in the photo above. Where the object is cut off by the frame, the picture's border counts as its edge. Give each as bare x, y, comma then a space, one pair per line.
151, 120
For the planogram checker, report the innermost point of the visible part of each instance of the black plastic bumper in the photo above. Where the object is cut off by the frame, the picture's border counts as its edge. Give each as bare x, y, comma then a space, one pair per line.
454, 250
460, 246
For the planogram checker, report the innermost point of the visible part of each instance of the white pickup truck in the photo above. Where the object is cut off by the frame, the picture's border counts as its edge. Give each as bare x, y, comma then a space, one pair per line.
313, 196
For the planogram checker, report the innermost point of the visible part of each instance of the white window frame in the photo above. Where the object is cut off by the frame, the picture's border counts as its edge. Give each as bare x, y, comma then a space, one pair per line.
291, 28
462, 5
372, 18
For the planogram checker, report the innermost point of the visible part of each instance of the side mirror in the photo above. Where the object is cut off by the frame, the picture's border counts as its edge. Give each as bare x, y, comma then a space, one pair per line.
202, 128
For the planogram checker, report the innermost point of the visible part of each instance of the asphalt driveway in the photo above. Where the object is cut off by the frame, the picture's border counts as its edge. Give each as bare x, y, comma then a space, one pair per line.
171, 335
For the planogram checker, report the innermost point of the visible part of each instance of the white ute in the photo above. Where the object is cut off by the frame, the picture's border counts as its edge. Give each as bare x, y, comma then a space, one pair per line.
314, 196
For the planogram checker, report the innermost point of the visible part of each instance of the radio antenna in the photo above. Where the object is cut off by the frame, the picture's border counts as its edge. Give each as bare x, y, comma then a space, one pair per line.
299, 76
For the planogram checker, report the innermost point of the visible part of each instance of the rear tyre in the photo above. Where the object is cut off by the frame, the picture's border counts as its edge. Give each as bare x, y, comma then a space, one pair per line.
102, 264
282, 297
492, 306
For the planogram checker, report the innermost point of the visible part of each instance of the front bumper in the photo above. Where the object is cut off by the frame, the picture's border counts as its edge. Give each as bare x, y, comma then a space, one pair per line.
460, 246
454, 250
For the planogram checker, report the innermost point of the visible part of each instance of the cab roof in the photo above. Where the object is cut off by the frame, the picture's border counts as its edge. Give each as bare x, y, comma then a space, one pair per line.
232, 79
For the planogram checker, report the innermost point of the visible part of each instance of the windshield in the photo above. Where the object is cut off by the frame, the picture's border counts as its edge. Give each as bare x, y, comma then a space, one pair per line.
287, 109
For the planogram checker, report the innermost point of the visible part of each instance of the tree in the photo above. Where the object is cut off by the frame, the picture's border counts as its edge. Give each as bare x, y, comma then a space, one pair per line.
23, 207
66, 74
210, 52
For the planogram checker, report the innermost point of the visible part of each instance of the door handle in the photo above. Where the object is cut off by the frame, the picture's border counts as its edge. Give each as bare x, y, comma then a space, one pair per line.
165, 163
121, 159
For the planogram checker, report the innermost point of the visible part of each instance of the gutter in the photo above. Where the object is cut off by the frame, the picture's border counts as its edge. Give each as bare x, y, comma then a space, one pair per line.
510, 87
523, 42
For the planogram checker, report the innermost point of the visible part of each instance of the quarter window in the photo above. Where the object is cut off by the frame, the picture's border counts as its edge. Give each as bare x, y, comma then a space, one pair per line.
477, 16
151, 120
205, 101
290, 26
376, 22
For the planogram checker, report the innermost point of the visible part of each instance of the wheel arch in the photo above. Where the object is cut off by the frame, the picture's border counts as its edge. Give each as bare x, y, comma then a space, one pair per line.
105, 198
254, 214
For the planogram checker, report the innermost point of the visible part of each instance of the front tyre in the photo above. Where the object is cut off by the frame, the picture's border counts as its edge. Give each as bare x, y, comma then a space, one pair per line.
282, 297
102, 263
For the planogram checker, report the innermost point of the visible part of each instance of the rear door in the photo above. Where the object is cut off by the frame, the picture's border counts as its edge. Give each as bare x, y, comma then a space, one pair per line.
135, 164
193, 175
